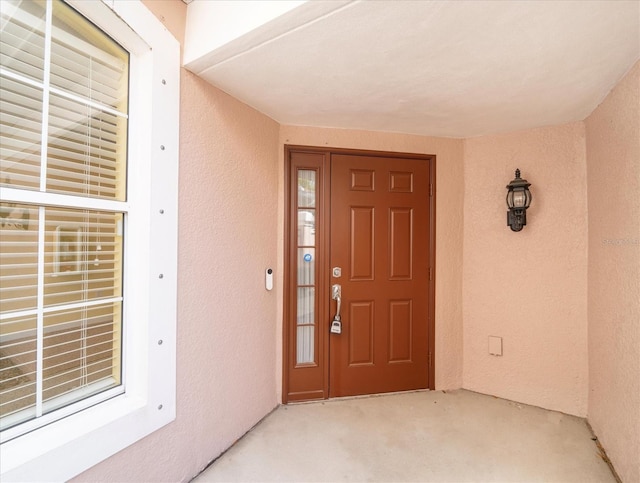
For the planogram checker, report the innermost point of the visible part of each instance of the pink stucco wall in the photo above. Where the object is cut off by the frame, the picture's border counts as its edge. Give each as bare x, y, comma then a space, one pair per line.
528, 287
449, 201
613, 176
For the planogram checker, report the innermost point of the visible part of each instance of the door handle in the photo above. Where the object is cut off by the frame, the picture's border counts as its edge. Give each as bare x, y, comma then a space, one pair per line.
336, 294
336, 323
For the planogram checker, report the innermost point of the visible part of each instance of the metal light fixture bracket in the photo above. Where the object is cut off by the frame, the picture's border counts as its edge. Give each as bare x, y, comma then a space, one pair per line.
518, 200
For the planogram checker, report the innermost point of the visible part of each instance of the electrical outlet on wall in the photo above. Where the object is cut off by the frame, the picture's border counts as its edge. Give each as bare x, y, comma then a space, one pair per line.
495, 345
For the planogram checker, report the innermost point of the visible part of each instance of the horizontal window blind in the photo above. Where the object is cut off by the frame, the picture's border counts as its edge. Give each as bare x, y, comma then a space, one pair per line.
81, 353
63, 130
20, 133
87, 94
23, 38
84, 150
18, 260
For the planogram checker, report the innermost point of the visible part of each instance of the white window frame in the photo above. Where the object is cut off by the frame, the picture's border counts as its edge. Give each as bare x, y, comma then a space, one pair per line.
67, 447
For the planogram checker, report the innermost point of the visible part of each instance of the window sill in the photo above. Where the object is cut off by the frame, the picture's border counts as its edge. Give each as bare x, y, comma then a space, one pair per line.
69, 446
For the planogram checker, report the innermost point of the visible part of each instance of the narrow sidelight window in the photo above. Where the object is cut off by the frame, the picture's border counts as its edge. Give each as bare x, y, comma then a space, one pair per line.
306, 263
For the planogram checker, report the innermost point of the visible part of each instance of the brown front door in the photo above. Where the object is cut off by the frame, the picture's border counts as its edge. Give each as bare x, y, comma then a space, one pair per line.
363, 221
380, 241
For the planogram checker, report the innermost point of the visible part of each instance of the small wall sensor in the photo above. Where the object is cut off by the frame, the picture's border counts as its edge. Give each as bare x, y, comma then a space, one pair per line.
268, 278
495, 345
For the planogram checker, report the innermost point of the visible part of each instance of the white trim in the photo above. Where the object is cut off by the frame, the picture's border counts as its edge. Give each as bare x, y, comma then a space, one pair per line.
67, 447
87, 102
57, 200
57, 308
26, 333
8, 434
39, 314
20, 78
46, 78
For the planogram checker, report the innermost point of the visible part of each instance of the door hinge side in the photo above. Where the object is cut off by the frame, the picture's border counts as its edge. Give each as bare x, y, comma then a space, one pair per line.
430, 359
430, 274
431, 190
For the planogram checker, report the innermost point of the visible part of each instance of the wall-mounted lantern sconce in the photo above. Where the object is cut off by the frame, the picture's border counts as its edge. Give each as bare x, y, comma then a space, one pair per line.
518, 200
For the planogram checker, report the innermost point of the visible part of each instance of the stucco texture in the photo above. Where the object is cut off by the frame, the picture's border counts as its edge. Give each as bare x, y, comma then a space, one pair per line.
449, 203
613, 179
528, 287
226, 349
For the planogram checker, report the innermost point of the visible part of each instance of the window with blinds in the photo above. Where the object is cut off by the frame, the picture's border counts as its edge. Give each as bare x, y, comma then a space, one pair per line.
63, 146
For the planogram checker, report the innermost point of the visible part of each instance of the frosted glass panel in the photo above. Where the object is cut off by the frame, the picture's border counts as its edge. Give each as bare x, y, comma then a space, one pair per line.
307, 227
306, 188
306, 309
305, 345
306, 266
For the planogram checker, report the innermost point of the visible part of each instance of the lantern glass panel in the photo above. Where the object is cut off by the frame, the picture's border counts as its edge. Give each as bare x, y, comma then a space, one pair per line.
519, 199
510, 199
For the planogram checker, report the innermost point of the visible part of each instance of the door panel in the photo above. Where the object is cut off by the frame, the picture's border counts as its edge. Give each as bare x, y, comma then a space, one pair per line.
361, 333
361, 243
400, 331
379, 221
400, 243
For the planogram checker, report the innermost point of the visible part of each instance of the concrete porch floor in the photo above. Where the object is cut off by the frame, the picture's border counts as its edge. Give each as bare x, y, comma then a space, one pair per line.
453, 436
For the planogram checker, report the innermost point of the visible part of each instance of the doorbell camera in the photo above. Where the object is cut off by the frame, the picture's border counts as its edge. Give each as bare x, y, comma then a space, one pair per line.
268, 279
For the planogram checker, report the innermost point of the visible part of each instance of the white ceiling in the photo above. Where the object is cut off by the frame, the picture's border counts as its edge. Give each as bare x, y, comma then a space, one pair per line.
442, 68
